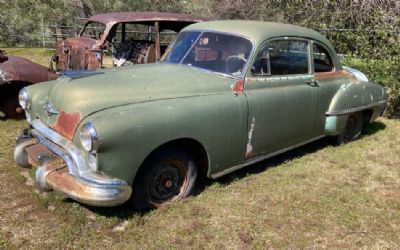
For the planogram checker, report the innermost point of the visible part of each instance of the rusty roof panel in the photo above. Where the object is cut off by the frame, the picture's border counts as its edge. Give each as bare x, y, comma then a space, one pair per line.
144, 16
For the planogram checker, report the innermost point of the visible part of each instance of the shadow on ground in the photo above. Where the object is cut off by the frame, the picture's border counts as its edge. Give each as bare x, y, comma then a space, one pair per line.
125, 211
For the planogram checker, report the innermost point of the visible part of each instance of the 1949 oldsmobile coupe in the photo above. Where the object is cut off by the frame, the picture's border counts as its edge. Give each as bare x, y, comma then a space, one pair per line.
225, 95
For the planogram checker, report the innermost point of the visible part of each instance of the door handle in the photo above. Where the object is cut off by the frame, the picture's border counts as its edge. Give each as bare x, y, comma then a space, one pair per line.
312, 82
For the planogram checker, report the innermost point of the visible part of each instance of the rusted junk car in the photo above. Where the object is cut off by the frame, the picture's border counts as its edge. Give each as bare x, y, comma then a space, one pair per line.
131, 38
16, 73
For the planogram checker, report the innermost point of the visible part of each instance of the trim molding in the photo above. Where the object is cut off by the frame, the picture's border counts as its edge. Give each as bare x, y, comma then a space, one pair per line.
261, 158
352, 110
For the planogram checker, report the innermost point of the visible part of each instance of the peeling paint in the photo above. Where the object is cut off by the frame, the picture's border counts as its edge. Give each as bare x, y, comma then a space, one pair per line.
249, 148
2, 75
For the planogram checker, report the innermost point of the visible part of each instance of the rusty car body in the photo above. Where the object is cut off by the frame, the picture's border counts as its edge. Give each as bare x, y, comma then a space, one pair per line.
131, 38
16, 73
227, 94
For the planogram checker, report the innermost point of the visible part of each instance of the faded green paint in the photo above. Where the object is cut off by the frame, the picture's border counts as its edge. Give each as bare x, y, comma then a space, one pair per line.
137, 109
258, 32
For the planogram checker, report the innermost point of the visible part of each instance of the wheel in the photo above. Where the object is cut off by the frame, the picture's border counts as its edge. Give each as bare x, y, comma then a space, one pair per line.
352, 131
170, 175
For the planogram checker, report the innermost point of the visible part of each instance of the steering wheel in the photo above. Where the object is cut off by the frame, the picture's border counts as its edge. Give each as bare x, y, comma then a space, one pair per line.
234, 63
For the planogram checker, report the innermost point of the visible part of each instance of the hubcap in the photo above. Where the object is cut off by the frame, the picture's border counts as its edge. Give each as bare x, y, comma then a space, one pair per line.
168, 182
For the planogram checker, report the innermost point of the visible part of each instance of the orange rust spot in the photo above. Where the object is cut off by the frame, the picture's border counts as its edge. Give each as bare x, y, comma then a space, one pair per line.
238, 86
34, 152
249, 155
342, 73
19, 110
66, 123
252, 79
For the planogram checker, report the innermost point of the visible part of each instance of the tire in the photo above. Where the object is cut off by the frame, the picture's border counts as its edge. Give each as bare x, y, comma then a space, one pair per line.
352, 131
169, 175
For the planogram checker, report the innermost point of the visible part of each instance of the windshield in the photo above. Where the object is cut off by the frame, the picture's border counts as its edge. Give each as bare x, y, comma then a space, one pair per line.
221, 53
93, 30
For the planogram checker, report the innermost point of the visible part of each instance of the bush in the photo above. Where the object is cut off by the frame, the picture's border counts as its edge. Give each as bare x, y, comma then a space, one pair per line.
382, 71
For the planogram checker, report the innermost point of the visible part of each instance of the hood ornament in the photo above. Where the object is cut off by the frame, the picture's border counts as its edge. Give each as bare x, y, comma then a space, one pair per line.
49, 108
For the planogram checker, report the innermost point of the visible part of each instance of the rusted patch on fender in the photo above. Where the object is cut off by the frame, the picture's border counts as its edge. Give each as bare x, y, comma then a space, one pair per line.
66, 123
342, 73
238, 87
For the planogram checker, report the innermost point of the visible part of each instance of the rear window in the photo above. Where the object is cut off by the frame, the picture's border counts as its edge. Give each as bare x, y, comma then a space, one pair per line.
322, 60
282, 57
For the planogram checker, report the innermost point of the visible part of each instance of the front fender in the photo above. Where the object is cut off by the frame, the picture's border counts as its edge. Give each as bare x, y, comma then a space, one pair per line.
128, 134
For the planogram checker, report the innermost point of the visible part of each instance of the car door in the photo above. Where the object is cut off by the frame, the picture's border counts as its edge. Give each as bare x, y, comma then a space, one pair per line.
281, 93
329, 79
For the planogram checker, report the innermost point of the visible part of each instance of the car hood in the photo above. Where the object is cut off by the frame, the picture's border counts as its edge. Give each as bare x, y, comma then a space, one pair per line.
77, 42
93, 91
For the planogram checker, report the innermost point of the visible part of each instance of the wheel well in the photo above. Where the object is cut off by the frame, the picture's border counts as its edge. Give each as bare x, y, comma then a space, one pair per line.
367, 114
196, 148
12, 87
9, 94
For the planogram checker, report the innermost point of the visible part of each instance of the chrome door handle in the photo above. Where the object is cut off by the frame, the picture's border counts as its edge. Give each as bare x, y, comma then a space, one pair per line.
313, 82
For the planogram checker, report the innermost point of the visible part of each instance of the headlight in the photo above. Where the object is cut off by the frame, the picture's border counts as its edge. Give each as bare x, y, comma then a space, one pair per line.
23, 98
88, 136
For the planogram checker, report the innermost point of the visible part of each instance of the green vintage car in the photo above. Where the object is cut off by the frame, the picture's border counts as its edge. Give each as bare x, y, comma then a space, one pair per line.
225, 95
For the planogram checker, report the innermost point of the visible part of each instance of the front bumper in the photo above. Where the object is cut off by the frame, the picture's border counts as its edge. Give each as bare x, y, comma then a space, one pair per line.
61, 167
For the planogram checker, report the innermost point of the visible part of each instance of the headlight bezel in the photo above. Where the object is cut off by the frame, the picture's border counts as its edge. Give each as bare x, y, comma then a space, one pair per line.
88, 137
23, 99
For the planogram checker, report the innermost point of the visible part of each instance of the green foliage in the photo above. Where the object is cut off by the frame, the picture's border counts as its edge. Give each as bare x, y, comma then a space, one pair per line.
364, 29
383, 71
369, 36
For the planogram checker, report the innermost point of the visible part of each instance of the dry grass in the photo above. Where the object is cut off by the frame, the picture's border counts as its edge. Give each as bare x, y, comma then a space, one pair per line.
38, 55
317, 196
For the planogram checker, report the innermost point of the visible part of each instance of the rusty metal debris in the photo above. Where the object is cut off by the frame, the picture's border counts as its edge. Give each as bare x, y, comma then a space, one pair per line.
117, 34
16, 73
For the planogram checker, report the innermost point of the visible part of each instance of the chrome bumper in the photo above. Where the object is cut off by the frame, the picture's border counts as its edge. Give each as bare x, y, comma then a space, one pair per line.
67, 171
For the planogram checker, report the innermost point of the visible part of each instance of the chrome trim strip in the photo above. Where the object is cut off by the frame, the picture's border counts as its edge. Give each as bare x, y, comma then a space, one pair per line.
261, 158
76, 164
58, 151
352, 110
48, 136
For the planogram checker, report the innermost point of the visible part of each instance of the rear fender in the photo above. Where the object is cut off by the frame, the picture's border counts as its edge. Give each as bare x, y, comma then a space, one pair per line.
356, 96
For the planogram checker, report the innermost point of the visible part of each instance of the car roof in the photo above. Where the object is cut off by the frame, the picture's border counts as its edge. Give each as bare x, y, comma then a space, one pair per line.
118, 17
258, 31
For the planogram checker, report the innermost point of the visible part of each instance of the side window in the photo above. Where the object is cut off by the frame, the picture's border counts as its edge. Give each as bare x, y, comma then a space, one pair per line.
286, 57
322, 60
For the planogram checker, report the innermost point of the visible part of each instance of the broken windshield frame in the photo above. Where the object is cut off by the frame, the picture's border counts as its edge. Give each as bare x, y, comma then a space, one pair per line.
219, 53
93, 30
